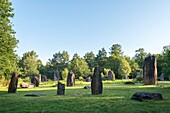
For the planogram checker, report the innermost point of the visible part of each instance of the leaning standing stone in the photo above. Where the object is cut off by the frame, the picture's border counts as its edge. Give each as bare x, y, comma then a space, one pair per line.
60, 88
150, 71
96, 84
13, 83
71, 79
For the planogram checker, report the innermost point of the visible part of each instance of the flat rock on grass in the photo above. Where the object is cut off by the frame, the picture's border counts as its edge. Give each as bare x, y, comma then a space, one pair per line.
129, 83
87, 87
34, 95
145, 96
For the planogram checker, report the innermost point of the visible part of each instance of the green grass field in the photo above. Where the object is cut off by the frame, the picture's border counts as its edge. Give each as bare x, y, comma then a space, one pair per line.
116, 98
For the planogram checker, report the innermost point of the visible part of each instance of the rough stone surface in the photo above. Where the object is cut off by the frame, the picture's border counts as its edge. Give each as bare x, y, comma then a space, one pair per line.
87, 87
39, 77
125, 77
96, 84
35, 81
13, 83
145, 96
57, 75
161, 78
150, 71
44, 78
71, 79
24, 85
110, 75
60, 88
88, 79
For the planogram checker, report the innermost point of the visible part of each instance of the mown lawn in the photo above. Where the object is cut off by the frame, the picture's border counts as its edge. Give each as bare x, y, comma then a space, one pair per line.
115, 99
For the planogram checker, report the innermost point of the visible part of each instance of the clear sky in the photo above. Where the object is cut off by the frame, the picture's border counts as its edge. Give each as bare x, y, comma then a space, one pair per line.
81, 26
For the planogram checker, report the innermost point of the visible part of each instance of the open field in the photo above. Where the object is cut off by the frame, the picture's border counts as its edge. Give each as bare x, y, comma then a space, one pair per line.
115, 99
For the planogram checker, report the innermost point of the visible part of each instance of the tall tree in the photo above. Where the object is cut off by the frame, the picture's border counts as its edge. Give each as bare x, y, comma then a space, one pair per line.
8, 42
133, 65
60, 60
140, 56
29, 63
166, 61
101, 58
124, 68
116, 50
89, 58
79, 66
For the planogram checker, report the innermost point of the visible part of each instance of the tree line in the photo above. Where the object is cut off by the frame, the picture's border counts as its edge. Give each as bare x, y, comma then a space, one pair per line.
29, 64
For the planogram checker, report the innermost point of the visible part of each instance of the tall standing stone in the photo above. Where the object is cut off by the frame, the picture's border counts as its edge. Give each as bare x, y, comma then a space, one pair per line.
150, 71
111, 75
71, 79
96, 84
60, 88
56, 75
43, 78
35, 81
39, 77
13, 83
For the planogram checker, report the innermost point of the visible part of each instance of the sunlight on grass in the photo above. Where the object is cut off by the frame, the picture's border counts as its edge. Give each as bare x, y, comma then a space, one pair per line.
116, 98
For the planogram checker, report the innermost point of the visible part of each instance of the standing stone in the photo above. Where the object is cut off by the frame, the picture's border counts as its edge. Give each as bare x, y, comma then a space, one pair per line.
161, 78
88, 79
125, 77
150, 71
56, 75
110, 75
96, 84
71, 79
39, 77
60, 88
35, 81
13, 83
44, 78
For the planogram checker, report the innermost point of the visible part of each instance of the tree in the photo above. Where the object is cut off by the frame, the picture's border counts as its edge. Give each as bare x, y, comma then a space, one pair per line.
140, 56
166, 61
116, 50
79, 66
60, 60
133, 65
113, 63
89, 58
64, 73
160, 61
29, 63
8, 42
124, 68
101, 58
47, 70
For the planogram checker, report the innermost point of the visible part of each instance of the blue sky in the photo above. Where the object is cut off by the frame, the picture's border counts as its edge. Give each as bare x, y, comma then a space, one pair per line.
81, 26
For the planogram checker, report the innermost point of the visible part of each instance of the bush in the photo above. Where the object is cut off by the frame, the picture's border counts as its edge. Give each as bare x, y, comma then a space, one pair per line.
3, 81
81, 78
64, 73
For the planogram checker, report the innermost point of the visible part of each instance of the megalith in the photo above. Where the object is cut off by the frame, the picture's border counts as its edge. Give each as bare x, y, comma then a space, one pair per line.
35, 81
71, 79
13, 83
150, 71
60, 88
56, 75
96, 84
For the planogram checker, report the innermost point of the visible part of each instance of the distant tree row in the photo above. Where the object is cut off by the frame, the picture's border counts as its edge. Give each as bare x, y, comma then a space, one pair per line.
120, 64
